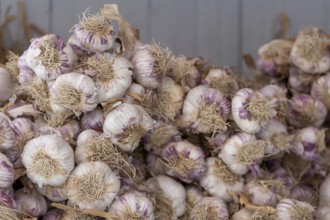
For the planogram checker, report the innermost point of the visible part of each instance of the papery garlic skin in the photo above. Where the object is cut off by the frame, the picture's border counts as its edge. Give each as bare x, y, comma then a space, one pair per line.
194, 195
132, 205
170, 189
92, 185
26, 74
324, 191
219, 180
7, 135
259, 193
73, 91
6, 198
126, 124
205, 110
7, 85
48, 160
209, 208
323, 213
155, 164
93, 120
53, 193
305, 193
6, 172
300, 81
310, 51
53, 214
30, 202
242, 214
321, 90
50, 57
291, 209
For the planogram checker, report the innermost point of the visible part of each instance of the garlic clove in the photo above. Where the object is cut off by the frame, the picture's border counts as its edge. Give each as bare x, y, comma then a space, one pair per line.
6, 172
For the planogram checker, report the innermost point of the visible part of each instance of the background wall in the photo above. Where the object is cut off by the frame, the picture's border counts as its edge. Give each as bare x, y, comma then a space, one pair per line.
218, 30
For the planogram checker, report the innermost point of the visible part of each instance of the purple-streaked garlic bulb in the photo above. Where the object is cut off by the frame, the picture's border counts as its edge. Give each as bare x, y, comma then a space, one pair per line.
274, 57
150, 64
209, 208
184, 72
321, 90
53, 214
300, 81
26, 74
184, 161
303, 110
323, 213
75, 92
93, 33
259, 192
160, 135
290, 209
6, 198
92, 185
93, 120
7, 135
126, 124
112, 75
49, 57
219, 180
310, 51
30, 201
241, 151
132, 205
6, 172
252, 110
309, 142
205, 110
53, 193
304, 193
155, 165
7, 85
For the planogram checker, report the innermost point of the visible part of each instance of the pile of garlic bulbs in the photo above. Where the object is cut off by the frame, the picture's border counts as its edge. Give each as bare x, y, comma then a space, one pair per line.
105, 127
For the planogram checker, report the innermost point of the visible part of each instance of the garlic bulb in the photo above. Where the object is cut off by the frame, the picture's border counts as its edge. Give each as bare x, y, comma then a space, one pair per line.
132, 205
126, 124
92, 185
170, 197
6, 172
209, 208
194, 195
205, 110
241, 151
7, 85
49, 57
251, 110
150, 63
155, 164
30, 202
242, 214
6, 198
53, 193
310, 51
321, 90
184, 161
48, 160
324, 191
53, 214
94, 33
305, 193
291, 209
26, 74
93, 120
323, 213
112, 75
77, 46
219, 180
306, 111
259, 192
73, 91
300, 81
7, 135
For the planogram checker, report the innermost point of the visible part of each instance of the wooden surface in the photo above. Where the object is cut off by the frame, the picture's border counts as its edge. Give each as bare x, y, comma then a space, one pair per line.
218, 30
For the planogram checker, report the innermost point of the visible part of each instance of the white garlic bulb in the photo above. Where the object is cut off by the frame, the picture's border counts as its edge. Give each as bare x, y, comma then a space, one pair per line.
73, 91
259, 192
92, 185
209, 208
323, 213
48, 160
126, 124
6, 172
50, 57
194, 195
7, 85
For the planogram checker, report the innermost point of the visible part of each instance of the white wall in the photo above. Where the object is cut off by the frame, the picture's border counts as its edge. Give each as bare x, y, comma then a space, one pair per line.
218, 30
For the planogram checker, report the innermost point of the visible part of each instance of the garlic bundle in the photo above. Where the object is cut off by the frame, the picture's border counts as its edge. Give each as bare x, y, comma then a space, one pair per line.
220, 181
251, 110
205, 110
7, 85
126, 124
92, 185
73, 91
209, 208
49, 57
6, 172
53, 193
112, 75
170, 197
132, 205
184, 161
150, 64
93, 120
321, 90
7, 135
291, 209
26, 74
259, 192
48, 160
310, 51
93, 33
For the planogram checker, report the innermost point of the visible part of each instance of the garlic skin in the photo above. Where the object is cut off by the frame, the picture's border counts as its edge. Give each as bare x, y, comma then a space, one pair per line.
7, 134
291, 209
26, 74
53, 214
155, 165
324, 191
49, 57
209, 208
184, 161
30, 202
48, 160
126, 124
251, 110
53, 193
7, 199
321, 90
205, 110
194, 195
260, 193
93, 120
323, 213
112, 75
305, 193
6, 172
242, 214
92, 185
172, 191
220, 180
94, 33
7, 85
73, 91
132, 205
300, 81
310, 51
